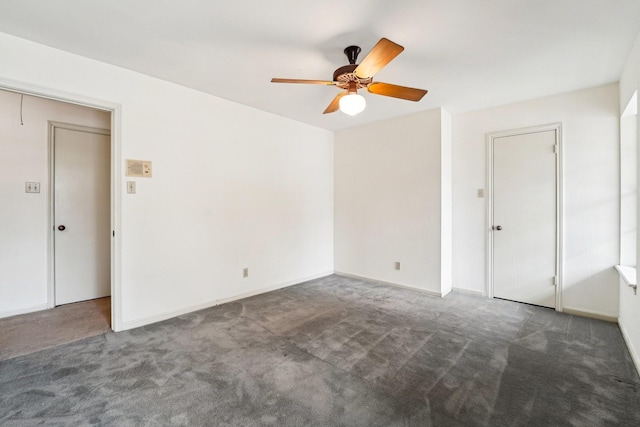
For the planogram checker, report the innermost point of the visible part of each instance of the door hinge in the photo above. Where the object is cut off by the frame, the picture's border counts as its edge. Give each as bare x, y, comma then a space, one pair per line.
555, 280
114, 233
555, 148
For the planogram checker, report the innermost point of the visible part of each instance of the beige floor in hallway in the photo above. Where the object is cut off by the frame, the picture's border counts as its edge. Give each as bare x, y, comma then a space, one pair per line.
28, 333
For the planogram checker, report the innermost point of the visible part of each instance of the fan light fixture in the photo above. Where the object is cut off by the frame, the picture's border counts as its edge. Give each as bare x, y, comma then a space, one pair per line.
352, 104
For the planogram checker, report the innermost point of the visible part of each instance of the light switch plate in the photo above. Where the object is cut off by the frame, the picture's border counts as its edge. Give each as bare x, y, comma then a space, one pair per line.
31, 187
131, 187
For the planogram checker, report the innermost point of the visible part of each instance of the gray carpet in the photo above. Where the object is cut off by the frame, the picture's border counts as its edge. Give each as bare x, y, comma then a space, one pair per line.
335, 352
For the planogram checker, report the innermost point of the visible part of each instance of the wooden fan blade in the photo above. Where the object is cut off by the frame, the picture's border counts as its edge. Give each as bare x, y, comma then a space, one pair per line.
382, 53
335, 104
396, 91
309, 82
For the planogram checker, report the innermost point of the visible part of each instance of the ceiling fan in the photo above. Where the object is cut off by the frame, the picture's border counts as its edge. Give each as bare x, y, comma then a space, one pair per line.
357, 76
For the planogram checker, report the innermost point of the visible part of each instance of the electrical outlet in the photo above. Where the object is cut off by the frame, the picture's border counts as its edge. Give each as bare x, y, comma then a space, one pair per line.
480, 193
31, 187
131, 187
397, 265
245, 272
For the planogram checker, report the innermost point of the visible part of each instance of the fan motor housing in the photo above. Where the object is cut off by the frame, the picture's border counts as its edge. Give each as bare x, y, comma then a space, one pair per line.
345, 75
347, 69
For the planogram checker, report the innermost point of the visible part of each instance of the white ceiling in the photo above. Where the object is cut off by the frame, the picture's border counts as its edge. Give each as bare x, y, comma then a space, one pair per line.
469, 54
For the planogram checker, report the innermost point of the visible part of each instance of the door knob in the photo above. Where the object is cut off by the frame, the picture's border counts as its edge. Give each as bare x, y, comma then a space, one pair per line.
61, 227
497, 227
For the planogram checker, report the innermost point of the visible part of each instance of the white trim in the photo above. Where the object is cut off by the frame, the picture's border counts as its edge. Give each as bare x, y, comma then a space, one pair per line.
381, 282
560, 218
632, 351
51, 274
79, 128
212, 303
116, 219
274, 287
592, 314
168, 315
56, 95
470, 292
627, 273
489, 219
557, 128
116, 143
9, 313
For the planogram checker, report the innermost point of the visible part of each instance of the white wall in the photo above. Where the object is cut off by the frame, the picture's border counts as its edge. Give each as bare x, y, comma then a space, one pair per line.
388, 201
590, 120
629, 319
24, 217
232, 186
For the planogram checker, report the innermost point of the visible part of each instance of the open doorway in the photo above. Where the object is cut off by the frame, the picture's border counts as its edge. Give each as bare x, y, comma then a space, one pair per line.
27, 251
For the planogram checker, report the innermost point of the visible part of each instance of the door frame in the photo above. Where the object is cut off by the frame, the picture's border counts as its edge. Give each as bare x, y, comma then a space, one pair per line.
116, 183
490, 137
52, 126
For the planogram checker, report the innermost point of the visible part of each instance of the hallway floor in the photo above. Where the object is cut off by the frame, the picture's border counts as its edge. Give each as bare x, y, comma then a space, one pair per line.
31, 332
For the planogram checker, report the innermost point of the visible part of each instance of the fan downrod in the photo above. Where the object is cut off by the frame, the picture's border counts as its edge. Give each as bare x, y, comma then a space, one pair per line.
345, 74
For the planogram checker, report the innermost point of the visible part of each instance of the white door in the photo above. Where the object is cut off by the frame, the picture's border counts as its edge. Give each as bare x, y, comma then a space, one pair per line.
524, 196
81, 214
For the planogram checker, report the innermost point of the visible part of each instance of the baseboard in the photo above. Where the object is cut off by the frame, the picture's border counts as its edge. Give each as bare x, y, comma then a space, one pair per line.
382, 282
137, 323
470, 292
274, 287
190, 309
589, 313
632, 350
9, 313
